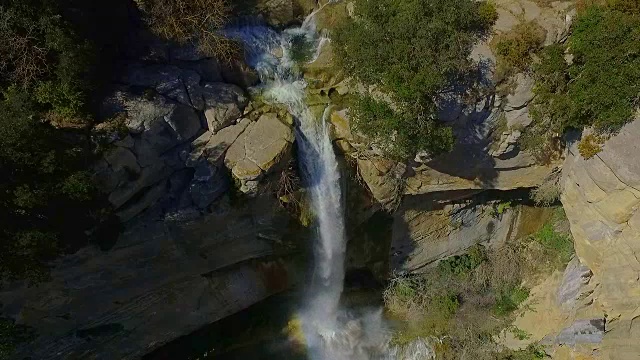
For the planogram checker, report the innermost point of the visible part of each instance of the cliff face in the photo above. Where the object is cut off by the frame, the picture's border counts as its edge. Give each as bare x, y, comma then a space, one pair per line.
601, 198
163, 279
589, 311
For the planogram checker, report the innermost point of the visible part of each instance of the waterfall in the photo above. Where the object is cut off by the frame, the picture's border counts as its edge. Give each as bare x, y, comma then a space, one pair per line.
331, 334
282, 84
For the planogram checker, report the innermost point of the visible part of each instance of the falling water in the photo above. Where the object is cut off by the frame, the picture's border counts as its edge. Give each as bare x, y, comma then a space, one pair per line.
331, 334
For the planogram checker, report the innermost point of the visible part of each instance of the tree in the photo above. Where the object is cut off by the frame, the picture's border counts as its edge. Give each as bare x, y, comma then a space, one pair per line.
599, 86
413, 50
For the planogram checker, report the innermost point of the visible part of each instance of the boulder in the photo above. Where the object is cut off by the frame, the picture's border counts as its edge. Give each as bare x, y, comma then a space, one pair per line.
134, 172
184, 121
263, 146
239, 73
573, 286
208, 184
383, 178
522, 94
145, 199
224, 104
214, 147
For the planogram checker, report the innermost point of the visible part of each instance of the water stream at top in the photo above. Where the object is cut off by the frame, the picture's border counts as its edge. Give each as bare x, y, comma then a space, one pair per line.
331, 333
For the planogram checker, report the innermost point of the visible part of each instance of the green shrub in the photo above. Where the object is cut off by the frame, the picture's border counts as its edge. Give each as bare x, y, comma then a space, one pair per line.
413, 51
42, 174
558, 245
12, 335
598, 88
548, 192
514, 48
487, 12
302, 50
509, 299
396, 132
463, 264
519, 333
531, 352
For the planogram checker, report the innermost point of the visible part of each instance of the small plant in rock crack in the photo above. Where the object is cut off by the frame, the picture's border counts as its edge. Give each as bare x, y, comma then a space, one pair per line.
519, 333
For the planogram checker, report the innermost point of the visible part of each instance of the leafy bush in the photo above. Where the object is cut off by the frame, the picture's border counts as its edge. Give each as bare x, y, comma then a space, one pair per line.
531, 352
509, 299
12, 335
413, 51
599, 86
192, 21
302, 50
41, 174
514, 48
397, 132
468, 300
558, 246
463, 264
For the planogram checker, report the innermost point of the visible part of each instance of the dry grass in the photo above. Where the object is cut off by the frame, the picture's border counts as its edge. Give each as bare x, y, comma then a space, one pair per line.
515, 47
590, 145
22, 61
192, 21
548, 192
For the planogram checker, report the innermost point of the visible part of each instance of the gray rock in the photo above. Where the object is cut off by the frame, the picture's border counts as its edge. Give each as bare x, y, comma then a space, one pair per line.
576, 277
163, 279
223, 104
239, 73
208, 184
144, 201
260, 149
184, 121
148, 176
427, 229
620, 154
208, 69
522, 94
121, 158
582, 332
180, 85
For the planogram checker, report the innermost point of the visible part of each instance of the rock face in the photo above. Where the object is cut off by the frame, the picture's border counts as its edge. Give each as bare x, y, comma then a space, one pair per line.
163, 279
427, 229
137, 167
601, 198
259, 149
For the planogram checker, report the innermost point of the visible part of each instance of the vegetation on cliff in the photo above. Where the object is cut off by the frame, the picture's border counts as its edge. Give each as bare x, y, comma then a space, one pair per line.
413, 51
54, 56
469, 299
592, 80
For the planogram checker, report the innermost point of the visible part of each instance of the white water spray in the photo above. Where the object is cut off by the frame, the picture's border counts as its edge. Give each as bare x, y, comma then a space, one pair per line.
331, 334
